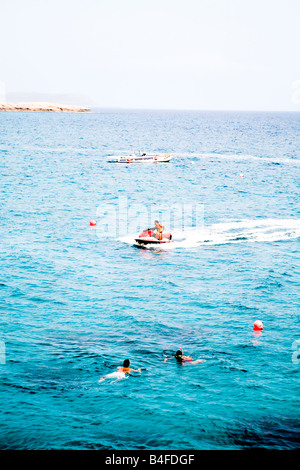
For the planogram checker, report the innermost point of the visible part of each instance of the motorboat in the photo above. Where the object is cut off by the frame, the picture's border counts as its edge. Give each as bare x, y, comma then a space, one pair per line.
148, 237
141, 158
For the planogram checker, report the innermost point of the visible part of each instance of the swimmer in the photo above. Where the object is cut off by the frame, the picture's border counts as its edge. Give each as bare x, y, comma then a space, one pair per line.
181, 359
121, 372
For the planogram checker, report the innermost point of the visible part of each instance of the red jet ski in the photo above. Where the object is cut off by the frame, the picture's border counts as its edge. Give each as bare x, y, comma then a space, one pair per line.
148, 237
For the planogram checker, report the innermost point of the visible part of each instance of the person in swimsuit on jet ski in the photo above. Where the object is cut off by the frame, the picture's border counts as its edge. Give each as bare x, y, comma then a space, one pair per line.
158, 230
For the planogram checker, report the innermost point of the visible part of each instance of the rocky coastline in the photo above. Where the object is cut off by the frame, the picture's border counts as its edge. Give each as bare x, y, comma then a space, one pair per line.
43, 107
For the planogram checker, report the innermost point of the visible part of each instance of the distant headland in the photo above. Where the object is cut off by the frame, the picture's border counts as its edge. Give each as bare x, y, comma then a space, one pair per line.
45, 107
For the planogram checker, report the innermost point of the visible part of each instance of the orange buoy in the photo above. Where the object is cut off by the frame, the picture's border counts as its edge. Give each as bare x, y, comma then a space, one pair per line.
92, 223
258, 325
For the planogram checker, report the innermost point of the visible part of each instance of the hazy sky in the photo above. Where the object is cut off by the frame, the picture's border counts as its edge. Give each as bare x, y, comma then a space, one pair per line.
172, 54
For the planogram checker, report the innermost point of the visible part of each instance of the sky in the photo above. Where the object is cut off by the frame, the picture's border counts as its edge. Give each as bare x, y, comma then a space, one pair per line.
154, 54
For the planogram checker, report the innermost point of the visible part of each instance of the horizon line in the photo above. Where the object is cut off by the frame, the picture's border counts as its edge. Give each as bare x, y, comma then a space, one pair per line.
121, 108
136, 109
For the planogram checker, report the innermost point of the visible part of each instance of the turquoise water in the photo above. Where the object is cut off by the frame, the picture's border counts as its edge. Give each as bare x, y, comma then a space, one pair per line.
78, 300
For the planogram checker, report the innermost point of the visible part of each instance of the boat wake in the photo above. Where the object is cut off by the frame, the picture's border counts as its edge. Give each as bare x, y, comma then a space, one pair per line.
261, 230
213, 156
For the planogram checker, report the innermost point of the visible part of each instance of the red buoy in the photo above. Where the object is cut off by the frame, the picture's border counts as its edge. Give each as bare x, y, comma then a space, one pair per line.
258, 325
92, 223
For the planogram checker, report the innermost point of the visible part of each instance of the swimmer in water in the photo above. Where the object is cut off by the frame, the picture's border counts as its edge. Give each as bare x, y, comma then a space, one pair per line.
181, 359
120, 372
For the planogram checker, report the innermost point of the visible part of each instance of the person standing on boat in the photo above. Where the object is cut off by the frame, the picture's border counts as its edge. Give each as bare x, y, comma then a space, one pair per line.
158, 230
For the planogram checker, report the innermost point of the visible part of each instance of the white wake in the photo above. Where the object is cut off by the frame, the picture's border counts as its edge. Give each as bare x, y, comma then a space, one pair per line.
243, 231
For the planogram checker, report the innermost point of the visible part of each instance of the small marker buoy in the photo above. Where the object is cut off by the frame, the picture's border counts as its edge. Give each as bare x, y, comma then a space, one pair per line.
92, 223
258, 325
241, 175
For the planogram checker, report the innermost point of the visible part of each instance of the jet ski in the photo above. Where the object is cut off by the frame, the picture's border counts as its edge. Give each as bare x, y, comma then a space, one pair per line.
148, 237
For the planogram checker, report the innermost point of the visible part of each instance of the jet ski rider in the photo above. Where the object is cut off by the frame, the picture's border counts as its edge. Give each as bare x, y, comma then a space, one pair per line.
158, 230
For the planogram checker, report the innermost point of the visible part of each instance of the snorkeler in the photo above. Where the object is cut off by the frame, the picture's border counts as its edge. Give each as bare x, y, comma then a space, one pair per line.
121, 372
181, 359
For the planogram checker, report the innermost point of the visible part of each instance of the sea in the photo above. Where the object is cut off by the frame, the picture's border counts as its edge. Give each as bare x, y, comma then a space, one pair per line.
77, 300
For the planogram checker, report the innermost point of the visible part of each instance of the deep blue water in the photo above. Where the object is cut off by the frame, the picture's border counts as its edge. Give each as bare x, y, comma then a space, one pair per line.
78, 300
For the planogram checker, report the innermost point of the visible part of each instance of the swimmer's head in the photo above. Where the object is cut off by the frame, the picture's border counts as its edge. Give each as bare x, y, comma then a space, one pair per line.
178, 355
126, 363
